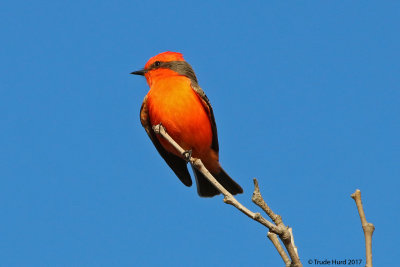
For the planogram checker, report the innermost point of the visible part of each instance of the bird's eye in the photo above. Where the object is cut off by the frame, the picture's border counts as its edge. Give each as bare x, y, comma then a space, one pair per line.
157, 63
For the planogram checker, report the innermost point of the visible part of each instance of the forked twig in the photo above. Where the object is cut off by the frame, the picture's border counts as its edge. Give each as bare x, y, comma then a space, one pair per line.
275, 241
368, 228
277, 227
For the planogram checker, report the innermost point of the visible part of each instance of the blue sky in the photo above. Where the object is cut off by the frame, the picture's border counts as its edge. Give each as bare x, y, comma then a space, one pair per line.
306, 98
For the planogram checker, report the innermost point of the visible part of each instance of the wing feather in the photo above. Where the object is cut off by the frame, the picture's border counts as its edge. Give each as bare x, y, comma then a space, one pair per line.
209, 110
178, 165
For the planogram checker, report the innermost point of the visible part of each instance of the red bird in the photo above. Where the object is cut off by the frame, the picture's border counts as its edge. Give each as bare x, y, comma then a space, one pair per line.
177, 102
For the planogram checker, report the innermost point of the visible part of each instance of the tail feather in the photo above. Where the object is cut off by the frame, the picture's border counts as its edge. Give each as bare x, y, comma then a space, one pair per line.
206, 189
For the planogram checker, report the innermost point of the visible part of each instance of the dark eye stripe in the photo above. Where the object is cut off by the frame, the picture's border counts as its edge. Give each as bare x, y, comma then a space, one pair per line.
181, 67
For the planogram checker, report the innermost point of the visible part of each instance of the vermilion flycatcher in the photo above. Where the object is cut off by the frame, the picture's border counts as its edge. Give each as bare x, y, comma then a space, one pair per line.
177, 102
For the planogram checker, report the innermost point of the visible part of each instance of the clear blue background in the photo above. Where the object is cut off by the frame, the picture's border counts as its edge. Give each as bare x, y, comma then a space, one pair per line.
306, 98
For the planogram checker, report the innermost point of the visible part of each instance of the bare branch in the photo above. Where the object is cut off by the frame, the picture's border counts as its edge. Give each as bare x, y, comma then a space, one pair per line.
292, 240
275, 241
278, 228
368, 228
284, 234
259, 201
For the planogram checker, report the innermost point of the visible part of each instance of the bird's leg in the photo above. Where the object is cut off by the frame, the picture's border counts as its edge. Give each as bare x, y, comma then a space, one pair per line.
187, 154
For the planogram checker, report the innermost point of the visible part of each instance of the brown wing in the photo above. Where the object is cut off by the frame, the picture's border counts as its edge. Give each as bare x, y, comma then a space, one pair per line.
208, 108
177, 164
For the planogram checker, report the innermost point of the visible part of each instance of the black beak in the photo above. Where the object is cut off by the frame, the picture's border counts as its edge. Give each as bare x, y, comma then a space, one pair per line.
139, 72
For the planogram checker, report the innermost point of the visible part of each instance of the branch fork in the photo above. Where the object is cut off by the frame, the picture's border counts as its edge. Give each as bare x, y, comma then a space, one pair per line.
276, 228
368, 228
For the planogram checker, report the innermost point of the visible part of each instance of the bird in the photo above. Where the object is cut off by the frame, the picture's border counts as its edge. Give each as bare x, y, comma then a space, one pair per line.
176, 100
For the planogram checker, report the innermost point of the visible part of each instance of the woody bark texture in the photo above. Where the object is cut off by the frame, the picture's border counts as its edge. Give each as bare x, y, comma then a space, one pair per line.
368, 228
276, 227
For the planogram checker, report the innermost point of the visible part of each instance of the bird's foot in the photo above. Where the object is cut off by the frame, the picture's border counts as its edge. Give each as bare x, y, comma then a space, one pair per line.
187, 154
157, 128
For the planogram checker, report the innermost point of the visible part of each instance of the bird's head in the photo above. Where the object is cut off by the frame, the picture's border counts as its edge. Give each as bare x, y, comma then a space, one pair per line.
166, 64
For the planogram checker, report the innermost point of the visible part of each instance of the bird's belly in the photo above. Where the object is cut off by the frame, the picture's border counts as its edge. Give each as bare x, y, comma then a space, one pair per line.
184, 117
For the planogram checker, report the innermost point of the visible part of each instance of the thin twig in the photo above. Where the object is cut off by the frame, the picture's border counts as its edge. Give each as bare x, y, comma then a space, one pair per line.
228, 197
279, 229
368, 228
275, 241
292, 240
285, 234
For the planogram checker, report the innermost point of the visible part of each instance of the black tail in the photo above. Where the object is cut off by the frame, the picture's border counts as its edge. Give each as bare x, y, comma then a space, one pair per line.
206, 189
